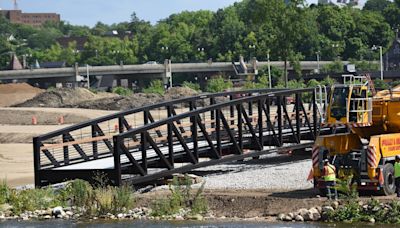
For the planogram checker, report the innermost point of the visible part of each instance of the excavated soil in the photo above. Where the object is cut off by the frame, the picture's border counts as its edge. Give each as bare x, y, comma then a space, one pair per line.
64, 97
83, 98
11, 94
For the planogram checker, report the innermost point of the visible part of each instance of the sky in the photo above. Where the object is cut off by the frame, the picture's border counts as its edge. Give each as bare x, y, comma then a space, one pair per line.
88, 12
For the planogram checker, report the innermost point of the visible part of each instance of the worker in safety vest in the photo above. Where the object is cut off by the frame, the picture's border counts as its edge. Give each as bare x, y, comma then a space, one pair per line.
397, 174
329, 174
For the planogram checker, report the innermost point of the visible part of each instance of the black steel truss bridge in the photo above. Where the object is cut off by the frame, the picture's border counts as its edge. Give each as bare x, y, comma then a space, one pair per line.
153, 142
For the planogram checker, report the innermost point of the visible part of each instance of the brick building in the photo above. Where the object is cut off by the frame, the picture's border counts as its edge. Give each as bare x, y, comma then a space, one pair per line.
33, 19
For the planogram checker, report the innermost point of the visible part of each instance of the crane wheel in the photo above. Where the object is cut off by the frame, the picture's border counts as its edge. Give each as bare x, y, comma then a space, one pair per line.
389, 187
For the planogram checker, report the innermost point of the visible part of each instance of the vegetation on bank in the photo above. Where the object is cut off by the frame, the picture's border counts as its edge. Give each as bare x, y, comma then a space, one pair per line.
100, 200
182, 197
371, 211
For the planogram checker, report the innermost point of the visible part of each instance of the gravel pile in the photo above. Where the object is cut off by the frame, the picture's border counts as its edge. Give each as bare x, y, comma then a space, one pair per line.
271, 173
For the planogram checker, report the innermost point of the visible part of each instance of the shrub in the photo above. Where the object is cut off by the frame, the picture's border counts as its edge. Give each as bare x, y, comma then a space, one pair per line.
312, 83
104, 198
156, 86
328, 81
5, 193
380, 84
33, 199
181, 197
122, 91
123, 198
80, 193
191, 85
218, 84
262, 82
336, 67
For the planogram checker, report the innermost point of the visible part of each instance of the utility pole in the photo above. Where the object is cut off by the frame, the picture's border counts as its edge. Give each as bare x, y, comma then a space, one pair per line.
269, 71
380, 58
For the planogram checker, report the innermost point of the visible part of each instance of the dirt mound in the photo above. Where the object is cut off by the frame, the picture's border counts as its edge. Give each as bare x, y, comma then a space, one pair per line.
121, 103
63, 97
179, 92
15, 93
83, 98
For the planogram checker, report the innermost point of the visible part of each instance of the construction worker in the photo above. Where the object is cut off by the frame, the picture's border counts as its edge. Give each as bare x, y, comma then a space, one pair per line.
329, 174
397, 174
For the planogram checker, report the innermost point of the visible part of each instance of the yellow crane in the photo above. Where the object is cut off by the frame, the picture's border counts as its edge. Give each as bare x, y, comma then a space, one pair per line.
365, 136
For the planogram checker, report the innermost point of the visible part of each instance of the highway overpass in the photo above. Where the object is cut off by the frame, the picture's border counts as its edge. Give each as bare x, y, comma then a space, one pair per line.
133, 71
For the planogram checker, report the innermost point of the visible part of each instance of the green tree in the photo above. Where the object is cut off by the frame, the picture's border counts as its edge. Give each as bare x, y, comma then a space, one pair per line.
376, 5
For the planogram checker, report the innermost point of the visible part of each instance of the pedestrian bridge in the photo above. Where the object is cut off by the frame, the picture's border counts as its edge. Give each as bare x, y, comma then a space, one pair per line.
156, 141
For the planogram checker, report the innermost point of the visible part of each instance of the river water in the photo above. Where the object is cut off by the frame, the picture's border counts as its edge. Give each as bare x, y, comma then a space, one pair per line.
184, 224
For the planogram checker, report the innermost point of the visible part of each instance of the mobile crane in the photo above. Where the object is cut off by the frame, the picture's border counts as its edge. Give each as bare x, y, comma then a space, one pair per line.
365, 135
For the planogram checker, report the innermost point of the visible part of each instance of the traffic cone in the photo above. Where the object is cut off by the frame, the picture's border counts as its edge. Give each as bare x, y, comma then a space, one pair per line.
311, 175
381, 179
34, 120
60, 120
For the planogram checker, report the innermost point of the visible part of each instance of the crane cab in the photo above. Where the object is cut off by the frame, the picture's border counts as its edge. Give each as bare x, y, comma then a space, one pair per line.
350, 103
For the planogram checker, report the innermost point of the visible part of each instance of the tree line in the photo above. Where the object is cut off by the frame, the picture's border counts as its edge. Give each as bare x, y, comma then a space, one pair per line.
251, 28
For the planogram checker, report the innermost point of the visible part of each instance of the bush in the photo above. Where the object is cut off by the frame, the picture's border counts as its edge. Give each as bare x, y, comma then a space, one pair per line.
380, 84
122, 91
34, 199
80, 193
191, 85
123, 198
328, 81
5, 193
156, 86
181, 197
218, 84
335, 67
262, 83
104, 200
313, 83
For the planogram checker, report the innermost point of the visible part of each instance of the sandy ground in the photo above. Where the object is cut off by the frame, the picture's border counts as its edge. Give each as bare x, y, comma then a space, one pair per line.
16, 164
16, 153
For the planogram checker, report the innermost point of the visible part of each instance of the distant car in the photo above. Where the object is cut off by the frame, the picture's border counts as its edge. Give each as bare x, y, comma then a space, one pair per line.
151, 62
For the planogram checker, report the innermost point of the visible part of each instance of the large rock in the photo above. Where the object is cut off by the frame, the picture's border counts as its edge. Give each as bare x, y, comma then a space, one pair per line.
327, 209
335, 205
302, 212
281, 216
299, 218
287, 218
58, 212
312, 215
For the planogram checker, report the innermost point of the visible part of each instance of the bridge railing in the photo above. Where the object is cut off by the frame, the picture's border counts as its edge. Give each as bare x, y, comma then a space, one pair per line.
92, 140
243, 127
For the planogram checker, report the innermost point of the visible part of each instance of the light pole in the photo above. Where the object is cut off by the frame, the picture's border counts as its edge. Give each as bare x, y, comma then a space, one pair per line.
169, 62
201, 50
336, 46
88, 76
269, 71
318, 58
252, 46
380, 57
